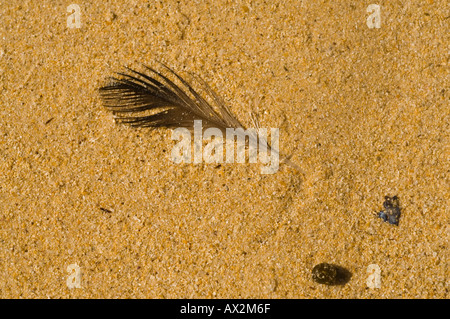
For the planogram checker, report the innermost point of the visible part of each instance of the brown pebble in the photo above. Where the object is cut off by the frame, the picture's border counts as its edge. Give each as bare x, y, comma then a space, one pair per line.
329, 274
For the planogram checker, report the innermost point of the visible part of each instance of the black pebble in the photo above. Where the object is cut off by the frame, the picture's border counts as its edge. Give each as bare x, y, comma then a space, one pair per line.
329, 274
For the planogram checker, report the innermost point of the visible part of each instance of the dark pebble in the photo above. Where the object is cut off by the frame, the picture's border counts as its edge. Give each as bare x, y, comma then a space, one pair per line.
329, 274
391, 212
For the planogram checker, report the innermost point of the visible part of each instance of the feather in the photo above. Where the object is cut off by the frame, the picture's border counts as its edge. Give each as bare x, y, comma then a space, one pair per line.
132, 94
138, 92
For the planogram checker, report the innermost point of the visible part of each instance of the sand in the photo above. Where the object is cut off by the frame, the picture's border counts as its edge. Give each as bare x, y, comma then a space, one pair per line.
363, 111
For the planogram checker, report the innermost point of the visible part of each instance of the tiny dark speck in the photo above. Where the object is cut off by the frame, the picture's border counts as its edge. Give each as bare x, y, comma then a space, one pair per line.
105, 210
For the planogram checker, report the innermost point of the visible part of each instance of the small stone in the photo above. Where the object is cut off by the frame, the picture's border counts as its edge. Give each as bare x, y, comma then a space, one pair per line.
329, 274
391, 212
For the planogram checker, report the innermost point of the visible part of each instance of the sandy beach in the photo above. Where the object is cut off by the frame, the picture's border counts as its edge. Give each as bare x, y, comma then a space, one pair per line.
94, 209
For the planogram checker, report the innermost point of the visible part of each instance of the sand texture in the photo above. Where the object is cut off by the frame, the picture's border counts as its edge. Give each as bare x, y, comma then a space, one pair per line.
363, 111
